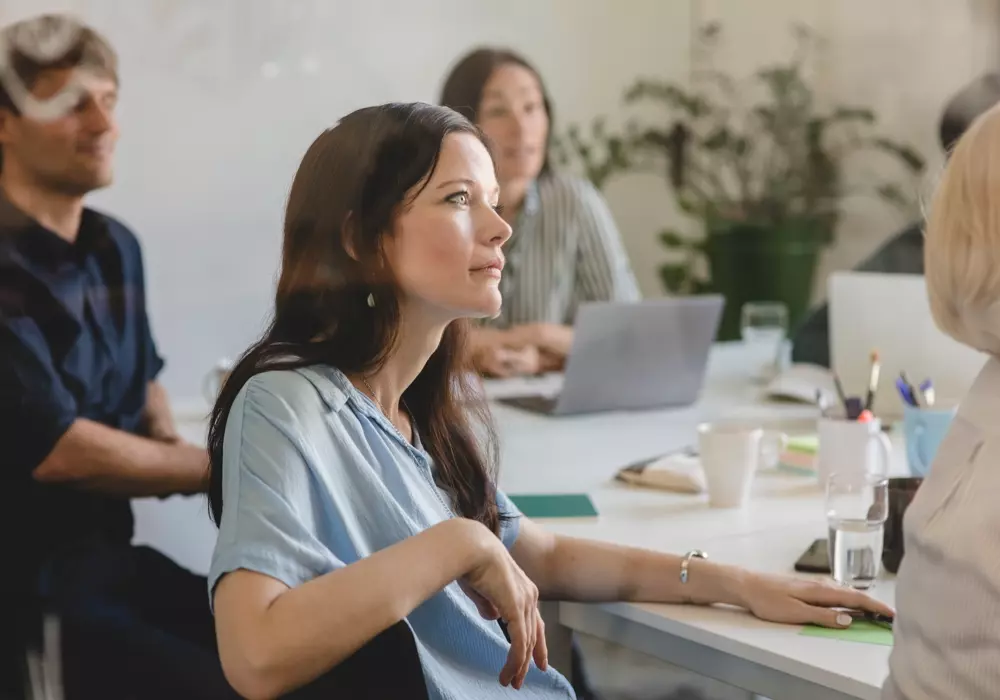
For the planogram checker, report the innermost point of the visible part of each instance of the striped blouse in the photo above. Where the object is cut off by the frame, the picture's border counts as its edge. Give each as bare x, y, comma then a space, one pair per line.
565, 250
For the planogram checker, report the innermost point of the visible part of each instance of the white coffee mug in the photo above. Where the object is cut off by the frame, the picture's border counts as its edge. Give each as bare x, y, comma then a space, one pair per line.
729, 453
211, 383
852, 447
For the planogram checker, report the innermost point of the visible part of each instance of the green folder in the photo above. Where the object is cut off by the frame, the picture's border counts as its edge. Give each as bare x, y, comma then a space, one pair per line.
860, 631
555, 505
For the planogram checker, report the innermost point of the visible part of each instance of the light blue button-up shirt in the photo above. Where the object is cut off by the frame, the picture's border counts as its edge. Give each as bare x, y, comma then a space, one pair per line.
316, 478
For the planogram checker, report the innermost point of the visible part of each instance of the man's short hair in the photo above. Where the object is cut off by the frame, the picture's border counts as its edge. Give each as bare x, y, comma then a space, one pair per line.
965, 105
49, 42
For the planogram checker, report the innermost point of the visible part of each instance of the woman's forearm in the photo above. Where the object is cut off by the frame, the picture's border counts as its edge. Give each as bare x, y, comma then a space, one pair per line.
270, 647
589, 571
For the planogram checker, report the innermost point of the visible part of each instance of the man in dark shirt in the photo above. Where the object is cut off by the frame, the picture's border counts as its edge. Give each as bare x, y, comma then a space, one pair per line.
84, 425
904, 252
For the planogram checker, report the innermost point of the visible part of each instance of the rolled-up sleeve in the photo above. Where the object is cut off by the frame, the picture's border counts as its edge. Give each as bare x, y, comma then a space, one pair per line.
270, 516
510, 519
36, 408
604, 272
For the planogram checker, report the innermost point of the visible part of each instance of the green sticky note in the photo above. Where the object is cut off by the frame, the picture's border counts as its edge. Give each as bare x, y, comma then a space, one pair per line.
555, 505
808, 444
860, 631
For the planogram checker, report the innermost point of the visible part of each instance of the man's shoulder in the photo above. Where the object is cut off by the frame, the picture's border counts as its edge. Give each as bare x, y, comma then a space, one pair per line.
901, 254
568, 188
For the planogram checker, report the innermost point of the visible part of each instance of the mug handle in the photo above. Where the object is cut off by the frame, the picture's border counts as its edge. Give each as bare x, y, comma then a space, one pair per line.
884, 450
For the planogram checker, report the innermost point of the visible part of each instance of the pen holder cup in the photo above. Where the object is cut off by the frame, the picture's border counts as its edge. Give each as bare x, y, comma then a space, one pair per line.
923, 430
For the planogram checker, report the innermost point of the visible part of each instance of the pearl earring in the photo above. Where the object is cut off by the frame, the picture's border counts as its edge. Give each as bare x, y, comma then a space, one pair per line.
371, 300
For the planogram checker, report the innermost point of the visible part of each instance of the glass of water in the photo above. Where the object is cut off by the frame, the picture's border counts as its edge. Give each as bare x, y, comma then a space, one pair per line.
857, 506
763, 327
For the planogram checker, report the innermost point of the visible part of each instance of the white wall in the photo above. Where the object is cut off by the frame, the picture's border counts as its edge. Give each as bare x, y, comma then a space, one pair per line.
221, 97
209, 143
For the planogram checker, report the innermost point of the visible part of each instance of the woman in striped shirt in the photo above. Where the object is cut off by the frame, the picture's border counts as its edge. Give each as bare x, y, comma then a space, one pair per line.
565, 248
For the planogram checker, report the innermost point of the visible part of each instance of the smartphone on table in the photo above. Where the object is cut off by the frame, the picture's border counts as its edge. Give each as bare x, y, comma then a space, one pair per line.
816, 559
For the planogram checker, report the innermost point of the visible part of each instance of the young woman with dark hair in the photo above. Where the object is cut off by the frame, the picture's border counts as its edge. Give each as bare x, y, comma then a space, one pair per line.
354, 475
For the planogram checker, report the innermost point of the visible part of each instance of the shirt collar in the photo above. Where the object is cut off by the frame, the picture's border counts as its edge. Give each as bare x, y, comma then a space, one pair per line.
336, 390
42, 246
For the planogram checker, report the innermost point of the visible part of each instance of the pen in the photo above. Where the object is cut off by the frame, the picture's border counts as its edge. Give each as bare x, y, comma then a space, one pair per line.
914, 397
840, 391
873, 375
905, 392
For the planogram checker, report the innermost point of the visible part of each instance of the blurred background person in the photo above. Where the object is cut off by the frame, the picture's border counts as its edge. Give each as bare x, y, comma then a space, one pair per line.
565, 249
85, 424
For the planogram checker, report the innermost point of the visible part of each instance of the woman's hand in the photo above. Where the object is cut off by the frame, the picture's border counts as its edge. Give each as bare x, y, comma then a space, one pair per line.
550, 338
501, 590
500, 360
801, 601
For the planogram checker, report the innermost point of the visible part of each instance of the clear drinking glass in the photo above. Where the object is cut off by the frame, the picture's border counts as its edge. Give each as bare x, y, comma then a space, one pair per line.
763, 327
857, 506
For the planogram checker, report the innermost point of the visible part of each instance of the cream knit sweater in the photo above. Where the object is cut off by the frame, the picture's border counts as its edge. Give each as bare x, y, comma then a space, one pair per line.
947, 631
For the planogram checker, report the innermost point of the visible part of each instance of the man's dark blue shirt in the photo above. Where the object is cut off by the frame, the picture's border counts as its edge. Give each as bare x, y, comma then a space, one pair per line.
75, 343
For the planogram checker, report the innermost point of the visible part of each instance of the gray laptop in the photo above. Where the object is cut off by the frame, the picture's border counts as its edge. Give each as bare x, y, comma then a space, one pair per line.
631, 356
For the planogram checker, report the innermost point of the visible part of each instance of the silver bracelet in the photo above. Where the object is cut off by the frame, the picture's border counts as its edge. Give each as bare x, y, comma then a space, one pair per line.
686, 561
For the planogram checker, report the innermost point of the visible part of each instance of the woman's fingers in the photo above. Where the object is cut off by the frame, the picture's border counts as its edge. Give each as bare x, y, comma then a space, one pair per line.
522, 672
518, 649
541, 653
825, 617
843, 597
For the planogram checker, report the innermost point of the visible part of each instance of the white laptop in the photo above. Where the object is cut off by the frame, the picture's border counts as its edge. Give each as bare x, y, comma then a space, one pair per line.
631, 356
891, 314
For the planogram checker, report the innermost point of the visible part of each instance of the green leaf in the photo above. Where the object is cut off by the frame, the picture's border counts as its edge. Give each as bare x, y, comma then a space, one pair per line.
910, 157
674, 96
675, 276
673, 239
845, 114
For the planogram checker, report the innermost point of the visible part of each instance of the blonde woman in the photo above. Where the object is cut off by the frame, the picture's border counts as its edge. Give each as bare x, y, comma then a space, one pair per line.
948, 595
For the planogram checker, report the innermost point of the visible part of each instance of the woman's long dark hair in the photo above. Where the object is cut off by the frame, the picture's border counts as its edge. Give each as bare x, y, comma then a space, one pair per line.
345, 196
463, 88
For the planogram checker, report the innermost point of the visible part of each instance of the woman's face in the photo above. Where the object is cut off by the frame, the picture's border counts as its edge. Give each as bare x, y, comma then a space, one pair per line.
444, 250
512, 115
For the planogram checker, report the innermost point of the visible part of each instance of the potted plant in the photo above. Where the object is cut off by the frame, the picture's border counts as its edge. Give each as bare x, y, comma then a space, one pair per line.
760, 166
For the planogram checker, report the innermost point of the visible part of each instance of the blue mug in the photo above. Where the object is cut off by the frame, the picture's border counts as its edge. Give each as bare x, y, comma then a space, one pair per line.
924, 429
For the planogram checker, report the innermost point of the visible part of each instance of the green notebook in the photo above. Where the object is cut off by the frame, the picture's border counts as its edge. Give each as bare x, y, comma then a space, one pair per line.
860, 631
555, 505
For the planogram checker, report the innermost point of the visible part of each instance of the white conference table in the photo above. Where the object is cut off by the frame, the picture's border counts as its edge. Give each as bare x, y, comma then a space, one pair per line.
577, 454
543, 454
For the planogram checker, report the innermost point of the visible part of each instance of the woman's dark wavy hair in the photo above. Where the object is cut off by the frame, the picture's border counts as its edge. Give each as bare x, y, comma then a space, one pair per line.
349, 188
463, 88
